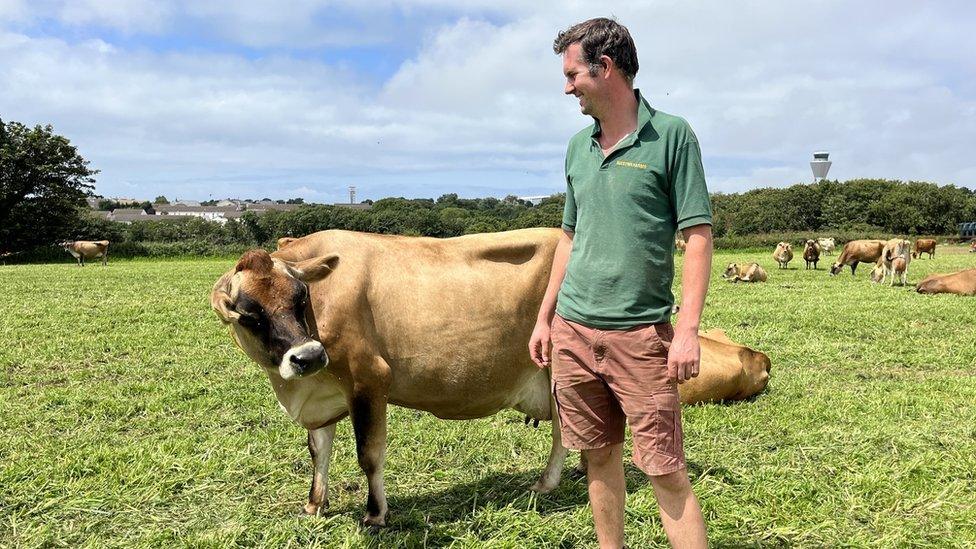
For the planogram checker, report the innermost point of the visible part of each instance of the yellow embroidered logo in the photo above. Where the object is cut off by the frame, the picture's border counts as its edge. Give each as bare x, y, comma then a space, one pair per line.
637, 165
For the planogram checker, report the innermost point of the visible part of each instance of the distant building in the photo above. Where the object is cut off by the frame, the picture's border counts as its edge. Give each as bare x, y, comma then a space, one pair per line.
126, 201
186, 203
363, 206
534, 200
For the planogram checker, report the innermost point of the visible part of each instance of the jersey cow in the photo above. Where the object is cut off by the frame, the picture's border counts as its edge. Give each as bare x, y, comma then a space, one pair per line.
811, 253
746, 272
346, 323
961, 283
783, 254
857, 251
924, 246
85, 249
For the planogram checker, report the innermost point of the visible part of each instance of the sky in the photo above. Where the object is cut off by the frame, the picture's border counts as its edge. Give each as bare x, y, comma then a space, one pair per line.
418, 98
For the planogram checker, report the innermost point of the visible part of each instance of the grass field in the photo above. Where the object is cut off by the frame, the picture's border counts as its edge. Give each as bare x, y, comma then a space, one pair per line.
130, 419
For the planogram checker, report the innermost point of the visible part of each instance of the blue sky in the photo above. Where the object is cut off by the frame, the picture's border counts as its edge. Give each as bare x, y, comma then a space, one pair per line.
419, 98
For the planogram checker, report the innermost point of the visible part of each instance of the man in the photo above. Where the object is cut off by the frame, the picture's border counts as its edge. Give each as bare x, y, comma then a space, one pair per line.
633, 179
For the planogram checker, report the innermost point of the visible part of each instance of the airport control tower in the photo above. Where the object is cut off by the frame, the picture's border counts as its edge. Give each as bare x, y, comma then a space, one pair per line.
820, 165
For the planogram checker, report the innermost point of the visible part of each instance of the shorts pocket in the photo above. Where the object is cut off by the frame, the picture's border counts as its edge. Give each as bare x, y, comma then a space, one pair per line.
668, 430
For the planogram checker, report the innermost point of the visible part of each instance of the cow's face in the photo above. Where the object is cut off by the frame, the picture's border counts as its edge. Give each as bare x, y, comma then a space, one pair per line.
930, 285
836, 268
731, 271
877, 274
266, 302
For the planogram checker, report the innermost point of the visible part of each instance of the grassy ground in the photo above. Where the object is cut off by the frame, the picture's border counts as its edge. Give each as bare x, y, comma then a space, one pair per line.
130, 419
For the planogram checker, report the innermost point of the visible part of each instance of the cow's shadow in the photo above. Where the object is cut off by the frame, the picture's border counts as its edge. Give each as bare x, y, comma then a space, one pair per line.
418, 514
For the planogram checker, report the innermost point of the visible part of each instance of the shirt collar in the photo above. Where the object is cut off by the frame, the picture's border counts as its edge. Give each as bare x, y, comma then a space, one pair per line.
644, 114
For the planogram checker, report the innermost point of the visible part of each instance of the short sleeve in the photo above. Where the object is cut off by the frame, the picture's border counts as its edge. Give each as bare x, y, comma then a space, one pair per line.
689, 194
569, 210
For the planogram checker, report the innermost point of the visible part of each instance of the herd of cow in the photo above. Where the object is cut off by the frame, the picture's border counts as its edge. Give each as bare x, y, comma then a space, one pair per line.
891, 259
344, 324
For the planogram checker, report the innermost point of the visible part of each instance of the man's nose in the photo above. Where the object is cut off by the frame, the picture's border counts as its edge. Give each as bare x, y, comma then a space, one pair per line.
569, 89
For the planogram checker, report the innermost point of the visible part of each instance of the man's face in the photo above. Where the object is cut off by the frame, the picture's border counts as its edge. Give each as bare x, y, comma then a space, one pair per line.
588, 89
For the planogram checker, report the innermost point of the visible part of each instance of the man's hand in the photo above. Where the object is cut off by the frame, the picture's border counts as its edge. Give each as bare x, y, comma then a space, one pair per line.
684, 356
539, 344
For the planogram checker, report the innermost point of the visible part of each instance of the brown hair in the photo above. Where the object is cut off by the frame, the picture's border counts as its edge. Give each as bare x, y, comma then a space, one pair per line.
598, 37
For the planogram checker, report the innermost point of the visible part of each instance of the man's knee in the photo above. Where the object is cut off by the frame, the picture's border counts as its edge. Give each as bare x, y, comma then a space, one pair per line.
601, 457
675, 483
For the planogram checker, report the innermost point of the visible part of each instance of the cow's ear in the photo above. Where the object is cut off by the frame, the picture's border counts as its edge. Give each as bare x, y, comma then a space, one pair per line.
314, 269
221, 301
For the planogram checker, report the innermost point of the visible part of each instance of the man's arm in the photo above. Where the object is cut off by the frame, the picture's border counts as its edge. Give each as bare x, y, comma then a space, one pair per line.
684, 357
540, 341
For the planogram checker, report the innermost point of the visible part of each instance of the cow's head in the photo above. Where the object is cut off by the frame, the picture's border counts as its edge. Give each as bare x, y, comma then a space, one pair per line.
731, 271
266, 302
836, 268
877, 274
931, 284
66, 244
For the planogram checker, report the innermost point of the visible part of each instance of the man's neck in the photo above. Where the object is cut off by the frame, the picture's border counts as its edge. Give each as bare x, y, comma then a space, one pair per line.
621, 118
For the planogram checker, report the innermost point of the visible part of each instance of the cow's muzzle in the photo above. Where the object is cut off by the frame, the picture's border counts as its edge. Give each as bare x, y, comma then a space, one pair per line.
302, 360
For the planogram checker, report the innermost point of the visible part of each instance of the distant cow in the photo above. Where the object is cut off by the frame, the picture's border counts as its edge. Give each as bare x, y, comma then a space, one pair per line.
86, 249
894, 250
972, 247
680, 244
857, 251
961, 283
750, 272
811, 253
783, 254
826, 245
924, 245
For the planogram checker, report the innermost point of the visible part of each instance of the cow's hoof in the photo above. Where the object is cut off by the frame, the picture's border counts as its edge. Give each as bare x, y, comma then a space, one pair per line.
315, 509
374, 522
543, 487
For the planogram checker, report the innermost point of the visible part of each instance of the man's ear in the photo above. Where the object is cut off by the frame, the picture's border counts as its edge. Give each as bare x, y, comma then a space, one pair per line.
607, 65
314, 269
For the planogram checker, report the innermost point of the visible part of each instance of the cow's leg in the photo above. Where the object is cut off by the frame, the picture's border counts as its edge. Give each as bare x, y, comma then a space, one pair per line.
105, 258
368, 412
557, 456
320, 448
853, 268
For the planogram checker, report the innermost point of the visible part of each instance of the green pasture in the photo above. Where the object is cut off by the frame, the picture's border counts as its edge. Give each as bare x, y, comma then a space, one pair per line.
129, 419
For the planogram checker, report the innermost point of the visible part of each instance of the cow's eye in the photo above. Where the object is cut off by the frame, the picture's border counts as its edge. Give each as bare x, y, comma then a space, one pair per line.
250, 321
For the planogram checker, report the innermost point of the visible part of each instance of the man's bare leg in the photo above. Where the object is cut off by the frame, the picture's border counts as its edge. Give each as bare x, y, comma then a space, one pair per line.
680, 512
607, 489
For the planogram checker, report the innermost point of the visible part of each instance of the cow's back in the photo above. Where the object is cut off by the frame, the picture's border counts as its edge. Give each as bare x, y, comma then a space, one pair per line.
452, 317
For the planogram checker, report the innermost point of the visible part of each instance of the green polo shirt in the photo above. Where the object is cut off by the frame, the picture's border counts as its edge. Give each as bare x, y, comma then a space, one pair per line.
624, 210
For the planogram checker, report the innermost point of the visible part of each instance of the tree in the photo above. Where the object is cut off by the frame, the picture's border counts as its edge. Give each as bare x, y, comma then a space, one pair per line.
43, 184
160, 200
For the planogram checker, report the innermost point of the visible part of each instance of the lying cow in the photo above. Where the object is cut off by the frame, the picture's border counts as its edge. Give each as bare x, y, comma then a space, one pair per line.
827, 245
344, 323
811, 253
729, 371
961, 283
972, 247
285, 240
783, 254
85, 249
894, 260
924, 246
750, 272
857, 251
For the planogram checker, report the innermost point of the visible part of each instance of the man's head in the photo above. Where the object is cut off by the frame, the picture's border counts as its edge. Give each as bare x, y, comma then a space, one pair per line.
598, 54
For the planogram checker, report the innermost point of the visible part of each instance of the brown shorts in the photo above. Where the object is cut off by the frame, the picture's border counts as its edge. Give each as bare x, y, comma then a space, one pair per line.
602, 377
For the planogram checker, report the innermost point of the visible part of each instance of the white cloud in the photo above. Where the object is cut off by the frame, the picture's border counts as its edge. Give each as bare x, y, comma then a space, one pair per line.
887, 88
